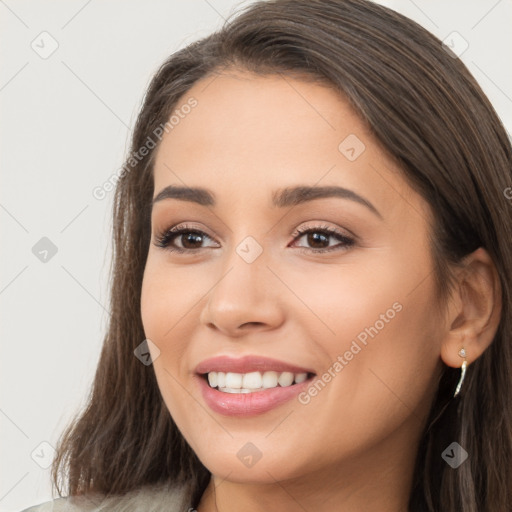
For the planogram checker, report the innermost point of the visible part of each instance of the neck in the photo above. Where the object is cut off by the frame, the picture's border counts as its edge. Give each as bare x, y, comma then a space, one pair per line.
380, 479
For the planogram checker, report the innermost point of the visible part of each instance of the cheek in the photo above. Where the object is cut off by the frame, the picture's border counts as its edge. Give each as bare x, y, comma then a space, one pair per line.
380, 343
345, 302
161, 312
166, 298
168, 316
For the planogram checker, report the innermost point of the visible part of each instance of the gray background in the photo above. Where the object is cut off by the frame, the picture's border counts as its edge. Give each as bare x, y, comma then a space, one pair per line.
66, 119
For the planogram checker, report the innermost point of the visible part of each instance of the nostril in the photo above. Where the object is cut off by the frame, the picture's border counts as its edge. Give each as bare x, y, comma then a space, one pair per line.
251, 323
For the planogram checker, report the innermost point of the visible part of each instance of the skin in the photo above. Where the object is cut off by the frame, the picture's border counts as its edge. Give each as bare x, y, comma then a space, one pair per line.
353, 446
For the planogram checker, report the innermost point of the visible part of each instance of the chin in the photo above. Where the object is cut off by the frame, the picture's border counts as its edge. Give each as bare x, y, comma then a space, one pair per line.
241, 469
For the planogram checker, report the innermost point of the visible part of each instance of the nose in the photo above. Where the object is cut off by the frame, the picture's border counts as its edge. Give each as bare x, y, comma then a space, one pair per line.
246, 298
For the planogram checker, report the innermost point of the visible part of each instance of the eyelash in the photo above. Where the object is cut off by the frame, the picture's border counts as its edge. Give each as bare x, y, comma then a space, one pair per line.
163, 239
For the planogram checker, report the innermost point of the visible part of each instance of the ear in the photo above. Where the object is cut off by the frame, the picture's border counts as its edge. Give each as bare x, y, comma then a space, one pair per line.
474, 312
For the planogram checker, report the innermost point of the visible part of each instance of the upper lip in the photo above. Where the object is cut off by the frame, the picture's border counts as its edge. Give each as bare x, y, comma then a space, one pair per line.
247, 364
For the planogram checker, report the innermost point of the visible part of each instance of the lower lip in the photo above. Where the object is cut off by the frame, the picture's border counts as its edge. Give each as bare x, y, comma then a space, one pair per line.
248, 404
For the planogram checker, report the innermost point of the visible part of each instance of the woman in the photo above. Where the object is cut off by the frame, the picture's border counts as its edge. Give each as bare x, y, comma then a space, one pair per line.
311, 286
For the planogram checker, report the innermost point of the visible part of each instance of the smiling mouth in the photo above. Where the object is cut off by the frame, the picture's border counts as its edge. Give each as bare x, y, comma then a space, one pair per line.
252, 382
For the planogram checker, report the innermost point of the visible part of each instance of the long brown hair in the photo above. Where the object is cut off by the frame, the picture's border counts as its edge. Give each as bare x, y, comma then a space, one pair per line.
431, 116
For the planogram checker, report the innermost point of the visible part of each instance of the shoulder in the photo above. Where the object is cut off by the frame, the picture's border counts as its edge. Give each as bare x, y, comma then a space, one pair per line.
151, 498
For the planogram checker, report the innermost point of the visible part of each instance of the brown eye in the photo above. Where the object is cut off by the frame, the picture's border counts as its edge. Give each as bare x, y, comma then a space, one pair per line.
192, 238
189, 239
317, 239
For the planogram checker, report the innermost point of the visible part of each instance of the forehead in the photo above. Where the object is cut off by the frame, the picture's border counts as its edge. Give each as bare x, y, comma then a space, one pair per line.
240, 112
249, 133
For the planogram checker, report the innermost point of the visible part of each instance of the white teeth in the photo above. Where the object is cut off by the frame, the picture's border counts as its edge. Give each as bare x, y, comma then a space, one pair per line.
300, 377
235, 390
252, 380
231, 382
269, 380
285, 379
212, 379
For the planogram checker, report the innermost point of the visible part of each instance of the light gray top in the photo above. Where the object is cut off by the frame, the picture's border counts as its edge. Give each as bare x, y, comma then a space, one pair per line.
156, 498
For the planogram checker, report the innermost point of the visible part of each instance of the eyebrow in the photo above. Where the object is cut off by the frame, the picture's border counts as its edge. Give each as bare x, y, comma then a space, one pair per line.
282, 198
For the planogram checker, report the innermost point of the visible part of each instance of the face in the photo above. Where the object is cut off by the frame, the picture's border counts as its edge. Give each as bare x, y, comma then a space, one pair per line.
324, 303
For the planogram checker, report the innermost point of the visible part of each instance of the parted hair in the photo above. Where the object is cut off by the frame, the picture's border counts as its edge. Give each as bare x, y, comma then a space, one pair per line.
429, 114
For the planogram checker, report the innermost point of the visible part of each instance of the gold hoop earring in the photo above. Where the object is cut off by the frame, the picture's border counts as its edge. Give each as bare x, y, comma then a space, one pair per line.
462, 353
